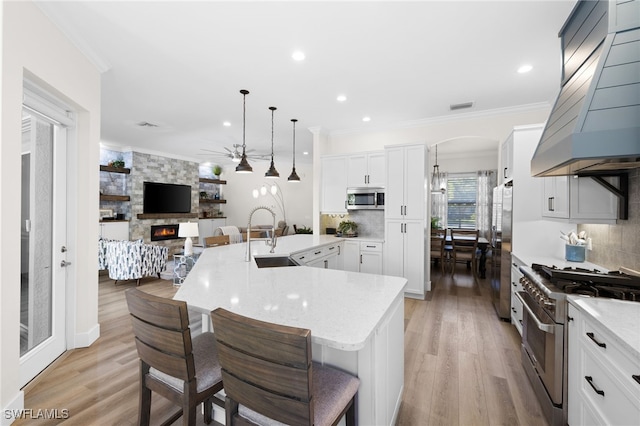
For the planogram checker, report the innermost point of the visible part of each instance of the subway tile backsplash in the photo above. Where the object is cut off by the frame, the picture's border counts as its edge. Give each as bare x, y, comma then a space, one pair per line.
618, 245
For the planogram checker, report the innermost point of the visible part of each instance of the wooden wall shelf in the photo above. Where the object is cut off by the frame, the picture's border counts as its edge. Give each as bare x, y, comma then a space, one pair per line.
104, 197
212, 201
167, 215
123, 170
216, 181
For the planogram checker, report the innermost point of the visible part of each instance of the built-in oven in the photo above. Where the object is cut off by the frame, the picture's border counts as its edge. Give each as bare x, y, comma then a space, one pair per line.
365, 198
543, 342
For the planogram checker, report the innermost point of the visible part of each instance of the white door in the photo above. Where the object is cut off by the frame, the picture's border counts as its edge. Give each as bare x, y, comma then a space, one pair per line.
43, 241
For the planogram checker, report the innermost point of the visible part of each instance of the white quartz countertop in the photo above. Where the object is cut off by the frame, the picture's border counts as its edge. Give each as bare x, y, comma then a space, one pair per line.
560, 262
342, 309
619, 317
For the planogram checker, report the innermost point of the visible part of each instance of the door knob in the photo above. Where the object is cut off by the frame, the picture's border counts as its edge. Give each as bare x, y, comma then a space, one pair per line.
64, 264
63, 249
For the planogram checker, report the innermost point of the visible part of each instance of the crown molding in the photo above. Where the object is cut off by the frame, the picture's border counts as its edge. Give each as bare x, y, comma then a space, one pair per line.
423, 122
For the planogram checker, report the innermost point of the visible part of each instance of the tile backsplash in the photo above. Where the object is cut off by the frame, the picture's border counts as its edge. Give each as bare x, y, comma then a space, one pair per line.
370, 223
618, 245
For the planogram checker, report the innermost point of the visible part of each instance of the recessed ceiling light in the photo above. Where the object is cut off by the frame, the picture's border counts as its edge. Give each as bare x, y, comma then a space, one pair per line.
365, 119
226, 124
341, 98
524, 69
298, 55
305, 153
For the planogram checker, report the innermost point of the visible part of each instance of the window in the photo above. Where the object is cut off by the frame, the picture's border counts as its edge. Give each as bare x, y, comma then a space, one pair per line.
461, 200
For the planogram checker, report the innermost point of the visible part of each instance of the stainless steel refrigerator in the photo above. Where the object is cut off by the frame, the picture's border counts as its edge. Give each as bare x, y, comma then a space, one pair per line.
501, 248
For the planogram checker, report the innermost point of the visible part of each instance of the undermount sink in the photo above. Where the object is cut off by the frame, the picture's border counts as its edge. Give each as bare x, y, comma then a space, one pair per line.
274, 261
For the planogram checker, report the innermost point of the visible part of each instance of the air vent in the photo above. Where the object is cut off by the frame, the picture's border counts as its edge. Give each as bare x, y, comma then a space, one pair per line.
454, 107
146, 124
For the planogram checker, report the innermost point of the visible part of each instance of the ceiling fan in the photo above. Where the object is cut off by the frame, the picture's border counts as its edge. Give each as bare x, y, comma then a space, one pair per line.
235, 154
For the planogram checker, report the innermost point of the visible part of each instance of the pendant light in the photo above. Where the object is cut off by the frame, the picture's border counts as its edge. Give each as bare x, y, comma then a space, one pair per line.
244, 166
436, 187
293, 177
272, 173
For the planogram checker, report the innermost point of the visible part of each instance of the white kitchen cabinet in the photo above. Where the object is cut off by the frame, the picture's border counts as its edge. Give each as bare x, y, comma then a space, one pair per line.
206, 227
405, 216
115, 230
405, 196
327, 257
579, 199
333, 197
362, 256
516, 286
555, 197
371, 257
366, 169
506, 160
601, 385
351, 256
404, 253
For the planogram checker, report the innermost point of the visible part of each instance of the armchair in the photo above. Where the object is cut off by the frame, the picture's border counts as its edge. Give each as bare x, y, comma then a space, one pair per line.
133, 260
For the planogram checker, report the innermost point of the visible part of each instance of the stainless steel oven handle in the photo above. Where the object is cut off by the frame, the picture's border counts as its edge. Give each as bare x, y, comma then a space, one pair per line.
547, 328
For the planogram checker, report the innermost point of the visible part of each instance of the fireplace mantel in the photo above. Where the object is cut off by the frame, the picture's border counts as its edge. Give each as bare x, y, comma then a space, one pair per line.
166, 215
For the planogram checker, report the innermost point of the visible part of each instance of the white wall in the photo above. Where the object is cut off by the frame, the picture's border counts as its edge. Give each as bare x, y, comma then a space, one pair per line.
298, 197
32, 46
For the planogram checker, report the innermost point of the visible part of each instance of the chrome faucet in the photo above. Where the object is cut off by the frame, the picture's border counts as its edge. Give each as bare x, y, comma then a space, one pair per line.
271, 243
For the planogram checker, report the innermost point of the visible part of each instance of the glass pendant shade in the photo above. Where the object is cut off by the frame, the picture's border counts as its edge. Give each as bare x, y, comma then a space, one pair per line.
436, 185
272, 173
293, 177
244, 166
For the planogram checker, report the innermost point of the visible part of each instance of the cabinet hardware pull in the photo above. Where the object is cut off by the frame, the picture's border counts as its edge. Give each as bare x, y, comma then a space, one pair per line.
360, 258
331, 248
591, 336
318, 252
569, 318
636, 377
514, 310
514, 284
504, 174
590, 380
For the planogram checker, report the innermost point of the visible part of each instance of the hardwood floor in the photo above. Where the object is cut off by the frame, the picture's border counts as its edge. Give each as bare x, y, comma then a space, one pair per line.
462, 365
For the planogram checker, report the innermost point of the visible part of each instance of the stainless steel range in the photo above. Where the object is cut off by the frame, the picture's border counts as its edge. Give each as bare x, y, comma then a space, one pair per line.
544, 335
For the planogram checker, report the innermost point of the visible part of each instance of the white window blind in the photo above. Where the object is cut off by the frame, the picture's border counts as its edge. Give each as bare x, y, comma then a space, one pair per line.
461, 200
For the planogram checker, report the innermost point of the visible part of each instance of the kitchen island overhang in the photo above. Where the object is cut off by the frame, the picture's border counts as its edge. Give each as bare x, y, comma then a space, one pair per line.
356, 320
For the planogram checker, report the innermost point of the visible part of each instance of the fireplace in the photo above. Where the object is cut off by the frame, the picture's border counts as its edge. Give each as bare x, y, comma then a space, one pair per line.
164, 232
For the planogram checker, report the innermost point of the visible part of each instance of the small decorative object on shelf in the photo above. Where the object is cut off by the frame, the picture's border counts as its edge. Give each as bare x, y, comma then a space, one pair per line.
117, 164
203, 194
217, 171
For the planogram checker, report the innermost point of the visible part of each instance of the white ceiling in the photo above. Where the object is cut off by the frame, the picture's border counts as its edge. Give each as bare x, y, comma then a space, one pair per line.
180, 65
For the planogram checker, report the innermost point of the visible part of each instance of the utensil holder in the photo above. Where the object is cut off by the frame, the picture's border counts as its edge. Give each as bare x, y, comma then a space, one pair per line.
574, 253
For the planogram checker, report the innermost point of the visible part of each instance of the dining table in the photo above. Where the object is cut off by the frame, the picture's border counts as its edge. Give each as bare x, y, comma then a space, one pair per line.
483, 245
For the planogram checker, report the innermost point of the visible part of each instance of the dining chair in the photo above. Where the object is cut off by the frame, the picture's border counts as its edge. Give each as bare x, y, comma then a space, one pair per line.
217, 240
438, 253
186, 371
465, 245
269, 376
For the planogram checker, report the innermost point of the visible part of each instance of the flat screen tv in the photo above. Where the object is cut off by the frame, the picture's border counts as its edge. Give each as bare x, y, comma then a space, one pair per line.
166, 198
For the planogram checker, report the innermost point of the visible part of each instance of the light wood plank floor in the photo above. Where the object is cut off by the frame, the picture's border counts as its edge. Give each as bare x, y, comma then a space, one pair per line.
462, 365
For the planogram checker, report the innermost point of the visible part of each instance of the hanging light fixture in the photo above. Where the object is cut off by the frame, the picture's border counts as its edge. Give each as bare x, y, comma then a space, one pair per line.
272, 173
244, 166
437, 187
293, 177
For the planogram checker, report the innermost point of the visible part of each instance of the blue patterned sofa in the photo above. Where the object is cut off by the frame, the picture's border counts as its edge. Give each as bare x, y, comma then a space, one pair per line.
133, 260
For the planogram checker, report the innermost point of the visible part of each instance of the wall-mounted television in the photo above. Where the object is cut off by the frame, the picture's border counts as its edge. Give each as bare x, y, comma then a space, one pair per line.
166, 198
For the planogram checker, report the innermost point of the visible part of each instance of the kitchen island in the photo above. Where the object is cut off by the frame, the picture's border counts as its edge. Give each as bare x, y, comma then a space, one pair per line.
356, 320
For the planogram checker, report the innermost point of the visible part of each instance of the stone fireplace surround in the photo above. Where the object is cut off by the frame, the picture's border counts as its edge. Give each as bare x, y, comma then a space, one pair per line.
154, 168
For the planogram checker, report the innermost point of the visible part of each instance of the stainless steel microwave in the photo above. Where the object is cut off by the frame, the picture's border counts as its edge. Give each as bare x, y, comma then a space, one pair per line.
365, 198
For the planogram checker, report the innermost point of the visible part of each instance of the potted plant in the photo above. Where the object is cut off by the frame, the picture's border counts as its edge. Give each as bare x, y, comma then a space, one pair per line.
348, 228
304, 230
435, 222
217, 171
